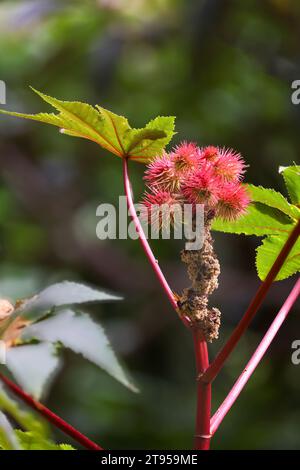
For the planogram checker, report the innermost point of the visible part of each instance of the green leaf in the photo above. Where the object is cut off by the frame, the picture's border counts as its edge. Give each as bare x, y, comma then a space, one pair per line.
25, 419
111, 131
267, 253
32, 441
8, 440
272, 198
260, 220
64, 447
33, 366
291, 176
147, 143
81, 334
99, 125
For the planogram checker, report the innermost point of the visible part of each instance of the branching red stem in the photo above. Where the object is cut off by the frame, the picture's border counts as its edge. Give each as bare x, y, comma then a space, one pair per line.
50, 416
255, 359
219, 361
205, 427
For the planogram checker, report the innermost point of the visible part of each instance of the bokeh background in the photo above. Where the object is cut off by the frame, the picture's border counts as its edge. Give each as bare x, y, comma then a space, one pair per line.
224, 68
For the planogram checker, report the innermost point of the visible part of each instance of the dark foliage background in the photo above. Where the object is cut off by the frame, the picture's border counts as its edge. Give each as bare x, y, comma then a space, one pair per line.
224, 68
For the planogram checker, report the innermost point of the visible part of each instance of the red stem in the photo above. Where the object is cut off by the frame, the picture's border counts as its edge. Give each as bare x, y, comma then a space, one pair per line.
255, 359
144, 242
202, 438
219, 361
50, 416
202, 435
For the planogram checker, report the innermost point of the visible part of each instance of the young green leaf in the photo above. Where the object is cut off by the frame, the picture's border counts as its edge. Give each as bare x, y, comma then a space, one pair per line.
23, 417
273, 198
81, 334
291, 176
33, 441
267, 253
33, 366
260, 220
144, 144
109, 130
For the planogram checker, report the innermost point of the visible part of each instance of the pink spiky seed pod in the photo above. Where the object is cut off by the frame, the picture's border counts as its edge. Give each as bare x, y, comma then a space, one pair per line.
233, 201
185, 156
229, 165
201, 186
161, 174
209, 153
162, 208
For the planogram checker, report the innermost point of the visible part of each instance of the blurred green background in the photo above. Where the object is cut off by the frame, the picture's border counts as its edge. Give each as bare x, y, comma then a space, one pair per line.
224, 68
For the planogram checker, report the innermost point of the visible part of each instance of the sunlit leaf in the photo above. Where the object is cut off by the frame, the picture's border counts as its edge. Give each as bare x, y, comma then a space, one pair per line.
260, 220
144, 144
109, 130
273, 198
291, 176
267, 253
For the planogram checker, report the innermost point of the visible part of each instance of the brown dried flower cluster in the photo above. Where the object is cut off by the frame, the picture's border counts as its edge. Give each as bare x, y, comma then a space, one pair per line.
203, 270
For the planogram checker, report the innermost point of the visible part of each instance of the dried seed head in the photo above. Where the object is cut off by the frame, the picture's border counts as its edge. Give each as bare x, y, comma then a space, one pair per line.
211, 324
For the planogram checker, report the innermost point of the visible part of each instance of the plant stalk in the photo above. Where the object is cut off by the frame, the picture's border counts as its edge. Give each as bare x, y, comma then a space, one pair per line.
142, 237
202, 434
50, 416
144, 242
255, 359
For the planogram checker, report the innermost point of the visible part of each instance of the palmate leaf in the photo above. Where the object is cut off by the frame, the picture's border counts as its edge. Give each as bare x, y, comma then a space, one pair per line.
144, 144
111, 131
291, 176
260, 220
267, 253
34, 365
81, 334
